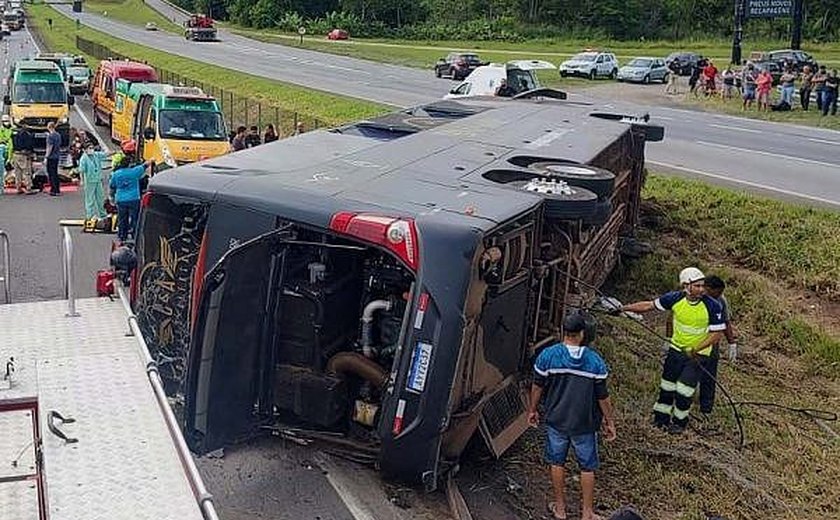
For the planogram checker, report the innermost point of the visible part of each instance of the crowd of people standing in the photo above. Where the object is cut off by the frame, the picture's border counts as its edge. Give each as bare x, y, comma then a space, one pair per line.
755, 84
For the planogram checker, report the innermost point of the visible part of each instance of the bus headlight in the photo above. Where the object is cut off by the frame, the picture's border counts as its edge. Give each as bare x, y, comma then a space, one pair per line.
63, 121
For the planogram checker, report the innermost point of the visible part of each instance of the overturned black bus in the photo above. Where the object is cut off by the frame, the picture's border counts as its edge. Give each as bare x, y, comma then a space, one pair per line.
388, 281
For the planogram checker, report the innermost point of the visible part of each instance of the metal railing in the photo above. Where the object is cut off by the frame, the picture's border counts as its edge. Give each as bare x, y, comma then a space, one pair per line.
202, 496
67, 268
7, 266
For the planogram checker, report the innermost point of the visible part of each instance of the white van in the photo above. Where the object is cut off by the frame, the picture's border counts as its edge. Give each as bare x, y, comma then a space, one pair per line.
485, 80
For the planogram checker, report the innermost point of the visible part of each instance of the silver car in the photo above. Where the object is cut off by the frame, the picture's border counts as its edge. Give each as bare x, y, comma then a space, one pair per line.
644, 70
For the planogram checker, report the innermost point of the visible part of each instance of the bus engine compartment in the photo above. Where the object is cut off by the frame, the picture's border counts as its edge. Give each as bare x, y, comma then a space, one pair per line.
334, 328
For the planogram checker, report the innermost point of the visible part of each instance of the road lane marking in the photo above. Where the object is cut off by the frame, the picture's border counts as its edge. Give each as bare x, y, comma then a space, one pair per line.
736, 128
769, 154
726, 178
757, 122
823, 141
355, 506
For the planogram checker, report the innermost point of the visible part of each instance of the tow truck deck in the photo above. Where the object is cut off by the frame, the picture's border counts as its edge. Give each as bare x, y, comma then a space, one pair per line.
83, 433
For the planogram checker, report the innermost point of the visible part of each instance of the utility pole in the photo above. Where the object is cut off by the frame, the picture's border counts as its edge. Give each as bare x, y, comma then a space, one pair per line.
740, 11
796, 32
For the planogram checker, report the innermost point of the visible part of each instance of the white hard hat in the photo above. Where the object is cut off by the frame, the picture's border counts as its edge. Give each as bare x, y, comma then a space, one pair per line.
690, 275
6, 118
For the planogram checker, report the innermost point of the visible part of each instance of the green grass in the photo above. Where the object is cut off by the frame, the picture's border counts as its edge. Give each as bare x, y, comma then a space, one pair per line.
796, 116
790, 355
798, 244
328, 108
134, 12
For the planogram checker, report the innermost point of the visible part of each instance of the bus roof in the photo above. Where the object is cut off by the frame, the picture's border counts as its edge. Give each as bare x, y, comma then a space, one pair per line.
430, 163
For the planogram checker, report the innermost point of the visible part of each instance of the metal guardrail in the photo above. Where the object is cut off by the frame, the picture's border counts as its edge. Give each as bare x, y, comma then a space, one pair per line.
7, 266
202, 496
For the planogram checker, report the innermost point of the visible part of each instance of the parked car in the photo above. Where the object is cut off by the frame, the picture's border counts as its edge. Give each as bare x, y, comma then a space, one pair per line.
5, 30
457, 65
283, 287
520, 75
685, 61
797, 59
338, 34
644, 70
151, 26
591, 65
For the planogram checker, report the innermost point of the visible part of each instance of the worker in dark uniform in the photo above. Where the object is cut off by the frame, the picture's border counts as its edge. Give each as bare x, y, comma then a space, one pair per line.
698, 325
23, 152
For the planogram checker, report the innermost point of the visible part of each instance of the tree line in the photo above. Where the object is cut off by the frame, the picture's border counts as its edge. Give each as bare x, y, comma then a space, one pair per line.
516, 20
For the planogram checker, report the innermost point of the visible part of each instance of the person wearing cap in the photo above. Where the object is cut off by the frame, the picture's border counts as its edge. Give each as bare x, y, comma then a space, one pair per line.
698, 324
714, 286
571, 381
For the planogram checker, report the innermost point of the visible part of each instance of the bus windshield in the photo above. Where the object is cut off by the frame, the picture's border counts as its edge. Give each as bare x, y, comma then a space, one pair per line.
40, 93
191, 124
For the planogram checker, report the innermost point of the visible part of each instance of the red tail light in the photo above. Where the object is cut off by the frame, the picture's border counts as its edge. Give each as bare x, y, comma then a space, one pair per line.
146, 199
198, 279
395, 234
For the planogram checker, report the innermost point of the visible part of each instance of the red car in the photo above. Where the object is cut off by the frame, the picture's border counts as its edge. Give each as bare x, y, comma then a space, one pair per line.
338, 34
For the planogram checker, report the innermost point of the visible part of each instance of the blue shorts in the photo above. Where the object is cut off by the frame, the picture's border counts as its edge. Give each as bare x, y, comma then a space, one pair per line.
749, 92
585, 446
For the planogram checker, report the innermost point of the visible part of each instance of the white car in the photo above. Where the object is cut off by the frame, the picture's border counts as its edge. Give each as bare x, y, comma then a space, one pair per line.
151, 26
591, 64
485, 80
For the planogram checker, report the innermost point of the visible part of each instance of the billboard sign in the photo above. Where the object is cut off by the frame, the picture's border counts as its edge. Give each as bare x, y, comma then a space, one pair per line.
769, 8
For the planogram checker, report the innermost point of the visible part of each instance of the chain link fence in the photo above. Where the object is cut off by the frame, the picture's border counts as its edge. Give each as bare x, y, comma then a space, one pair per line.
238, 110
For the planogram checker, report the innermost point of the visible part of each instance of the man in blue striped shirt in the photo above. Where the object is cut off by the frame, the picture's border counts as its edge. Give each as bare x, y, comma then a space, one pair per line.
571, 380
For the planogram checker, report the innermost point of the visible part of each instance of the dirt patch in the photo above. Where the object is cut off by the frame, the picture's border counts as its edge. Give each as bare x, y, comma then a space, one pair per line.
651, 94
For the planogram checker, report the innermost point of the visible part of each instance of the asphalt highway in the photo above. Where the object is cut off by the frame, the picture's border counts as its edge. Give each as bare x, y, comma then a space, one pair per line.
788, 161
31, 221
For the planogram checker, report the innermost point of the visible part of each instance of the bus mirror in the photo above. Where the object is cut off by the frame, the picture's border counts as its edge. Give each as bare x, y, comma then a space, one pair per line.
149, 134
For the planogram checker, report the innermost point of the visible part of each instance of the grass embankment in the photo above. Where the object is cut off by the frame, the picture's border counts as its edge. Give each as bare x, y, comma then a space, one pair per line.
781, 264
328, 108
134, 12
735, 107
